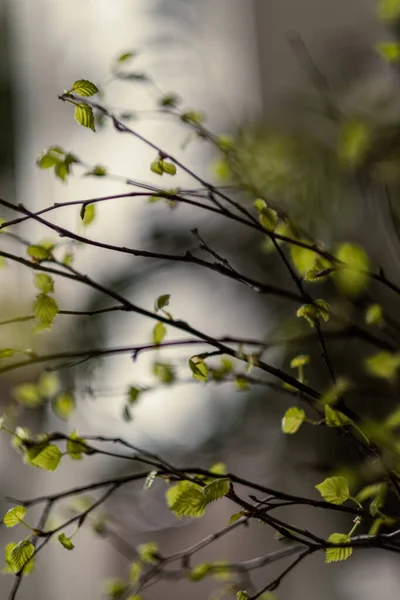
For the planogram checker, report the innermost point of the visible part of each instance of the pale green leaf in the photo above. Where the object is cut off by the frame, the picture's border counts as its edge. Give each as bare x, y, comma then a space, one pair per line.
45, 456
84, 115
65, 541
335, 418
45, 308
14, 516
39, 253
162, 302
44, 283
351, 275
20, 554
217, 489
159, 333
87, 213
84, 88
337, 554
64, 405
28, 394
293, 419
300, 361
199, 368
148, 552
383, 364
374, 315
334, 490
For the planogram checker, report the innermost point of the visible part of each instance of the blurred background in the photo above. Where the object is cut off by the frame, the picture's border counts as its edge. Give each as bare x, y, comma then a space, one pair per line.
238, 62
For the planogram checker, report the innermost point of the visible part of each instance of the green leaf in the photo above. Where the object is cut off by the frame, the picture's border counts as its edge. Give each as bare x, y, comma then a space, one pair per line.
389, 51
76, 446
335, 418
309, 313
374, 315
174, 491
164, 372
48, 160
39, 253
170, 100
148, 552
268, 217
351, 277
18, 555
135, 570
218, 468
303, 259
389, 10
28, 395
241, 383
126, 56
84, 115
168, 167
199, 368
242, 596
133, 394
115, 588
217, 489
193, 117
300, 361
384, 365
378, 502
44, 456
393, 420
334, 490
44, 283
191, 503
156, 167
48, 384
84, 88
14, 516
293, 419
199, 572
45, 308
369, 491
97, 171
354, 141
159, 333
336, 554
65, 541
88, 213
7, 352
323, 309
64, 406
162, 302
332, 395
237, 516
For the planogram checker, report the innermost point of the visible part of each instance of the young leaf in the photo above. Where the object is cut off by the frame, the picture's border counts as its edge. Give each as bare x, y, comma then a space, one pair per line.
351, 277
237, 516
198, 368
299, 361
354, 141
242, 596
164, 372
390, 51
384, 365
7, 352
133, 394
159, 333
76, 446
336, 554
135, 571
156, 167
293, 419
64, 406
191, 503
14, 516
84, 88
334, 490
199, 572
88, 213
162, 302
170, 101
45, 456
48, 384
148, 552
173, 492
45, 308
28, 394
84, 115
389, 10
332, 395
309, 313
65, 541
126, 56
217, 489
44, 283
302, 258
20, 555
374, 315
39, 253
97, 171
168, 167
335, 418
